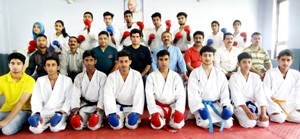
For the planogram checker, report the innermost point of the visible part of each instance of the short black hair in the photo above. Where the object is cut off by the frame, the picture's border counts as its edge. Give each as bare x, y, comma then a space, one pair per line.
89, 14
88, 53
16, 55
227, 34
41, 35
51, 58
124, 53
237, 21
103, 33
207, 49
73, 37
215, 22
198, 33
244, 55
127, 12
107, 13
285, 52
156, 14
255, 33
134, 31
162, 53
181, 14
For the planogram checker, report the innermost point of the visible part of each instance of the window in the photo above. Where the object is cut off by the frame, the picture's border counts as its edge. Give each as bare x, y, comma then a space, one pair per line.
282, 26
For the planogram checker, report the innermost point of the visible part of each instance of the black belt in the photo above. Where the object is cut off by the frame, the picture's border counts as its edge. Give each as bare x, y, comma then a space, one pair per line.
122, 106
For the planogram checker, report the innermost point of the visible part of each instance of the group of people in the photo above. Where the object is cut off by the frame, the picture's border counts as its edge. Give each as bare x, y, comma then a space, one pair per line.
77, 81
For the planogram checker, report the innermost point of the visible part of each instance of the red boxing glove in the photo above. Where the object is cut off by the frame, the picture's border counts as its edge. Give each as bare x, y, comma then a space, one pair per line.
178, 116
155, 120
178, 35
235, 43
168, 24
88, 23
33, 43
75, 121
244, 35
151, 36
31, 49
93, 120
80, 38
140, 24
187, 29
126, 34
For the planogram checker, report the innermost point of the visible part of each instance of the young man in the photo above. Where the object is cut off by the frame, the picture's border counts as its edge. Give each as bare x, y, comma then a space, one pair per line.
87, 36
114, 34
16, 86
208, 94
50, 100
141, 57
247, 95
165, 95
260, 56
226, 56
282, 86
216, 35
124, 95
106, 55
126, 29
192, 55
87, 95
182, 35
36, 61
153, 40
176, 57
240, 38
71, 62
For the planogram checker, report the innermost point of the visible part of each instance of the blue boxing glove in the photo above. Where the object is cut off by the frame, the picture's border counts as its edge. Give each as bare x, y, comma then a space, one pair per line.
51, 48
133, 118
56, 43
33, 120
110, 30
204, 113
209, 42
224, 30
226, 113
113, 120
56, 118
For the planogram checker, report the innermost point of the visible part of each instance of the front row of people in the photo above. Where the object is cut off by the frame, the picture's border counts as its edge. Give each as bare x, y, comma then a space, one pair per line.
120, 96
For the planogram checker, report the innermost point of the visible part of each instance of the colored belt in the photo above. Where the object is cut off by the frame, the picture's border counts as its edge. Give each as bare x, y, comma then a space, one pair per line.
167, 114
279, 103
211, 104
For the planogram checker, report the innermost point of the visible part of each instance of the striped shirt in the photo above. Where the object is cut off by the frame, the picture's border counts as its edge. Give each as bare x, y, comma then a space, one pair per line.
259, 57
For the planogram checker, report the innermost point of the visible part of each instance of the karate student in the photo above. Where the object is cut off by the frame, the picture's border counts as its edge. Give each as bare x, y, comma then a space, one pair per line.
105, 54
165, 95
226, 56
182, 35
240, 38
87, 95
35, 67
88, 35
114, 34
208, 94
124, 95
216, 35
71, 62
260, 58
248, 95
59, 40
282, 86
50, 100
16, 87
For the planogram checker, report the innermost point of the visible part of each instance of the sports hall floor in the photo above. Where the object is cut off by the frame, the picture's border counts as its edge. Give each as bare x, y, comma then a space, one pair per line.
189, 131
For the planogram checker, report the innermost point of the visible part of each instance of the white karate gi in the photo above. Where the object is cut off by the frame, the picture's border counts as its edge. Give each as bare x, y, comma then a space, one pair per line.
128, 92
217, 40
156, 42
183, 44
123, 29
276, 87
214, 88
91, 39
243, 91
240, 41
169, 91
64, 47
47, 101
92, 91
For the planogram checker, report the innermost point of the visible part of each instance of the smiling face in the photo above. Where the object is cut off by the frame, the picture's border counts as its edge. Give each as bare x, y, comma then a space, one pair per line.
36, 29
58, 27
228, 40
166, 38
73, 43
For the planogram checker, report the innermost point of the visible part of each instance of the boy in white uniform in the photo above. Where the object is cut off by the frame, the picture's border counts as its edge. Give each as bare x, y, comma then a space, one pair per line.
114, 34
282, 86
247, 95
216, 35
165, 95
87, 97
208, 94
88, 35
50, 100
182, 35
124, 95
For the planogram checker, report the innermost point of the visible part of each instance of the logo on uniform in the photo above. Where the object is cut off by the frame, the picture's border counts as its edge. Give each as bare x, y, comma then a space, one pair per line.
110, 56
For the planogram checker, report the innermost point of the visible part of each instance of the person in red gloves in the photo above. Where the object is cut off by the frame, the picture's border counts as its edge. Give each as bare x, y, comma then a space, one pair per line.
88, 35
240, 38
182, 35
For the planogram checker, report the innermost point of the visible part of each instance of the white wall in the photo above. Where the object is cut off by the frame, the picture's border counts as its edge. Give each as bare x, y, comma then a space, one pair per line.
19, 15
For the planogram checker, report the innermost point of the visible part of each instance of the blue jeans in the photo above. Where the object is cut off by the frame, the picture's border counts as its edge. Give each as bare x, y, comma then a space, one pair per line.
15, 124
